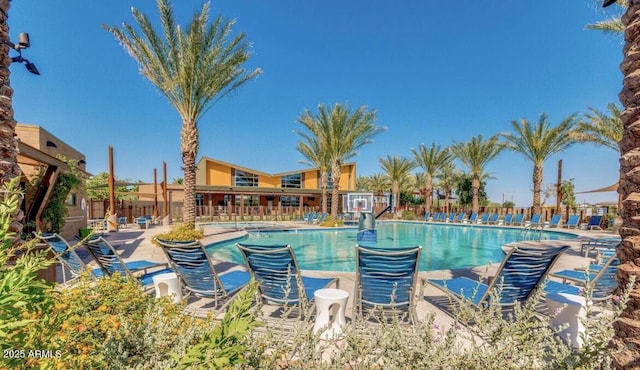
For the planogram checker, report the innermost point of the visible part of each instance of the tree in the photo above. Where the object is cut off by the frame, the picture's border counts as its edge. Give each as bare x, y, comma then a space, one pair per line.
613, 25
98, 188
465, 191
447, 178
193, 68
340, 133
537, 143
398, 170
432, 160
379, 183
568, 194
627, 328
8, 140
178, 181
317, 156
475, 155
600, 128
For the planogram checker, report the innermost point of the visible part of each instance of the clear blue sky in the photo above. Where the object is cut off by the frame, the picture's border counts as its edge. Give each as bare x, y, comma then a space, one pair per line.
433, 71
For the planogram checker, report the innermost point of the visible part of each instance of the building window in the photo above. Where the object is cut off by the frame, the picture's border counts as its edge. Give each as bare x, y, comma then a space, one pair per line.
199, 200
290, 201
71, 200
249, 200
292, 181
242, 178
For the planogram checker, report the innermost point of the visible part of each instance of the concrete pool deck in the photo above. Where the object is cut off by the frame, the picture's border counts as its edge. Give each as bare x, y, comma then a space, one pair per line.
135, 244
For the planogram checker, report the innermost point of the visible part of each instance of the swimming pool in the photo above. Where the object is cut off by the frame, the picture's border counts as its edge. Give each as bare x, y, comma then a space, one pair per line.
443, 246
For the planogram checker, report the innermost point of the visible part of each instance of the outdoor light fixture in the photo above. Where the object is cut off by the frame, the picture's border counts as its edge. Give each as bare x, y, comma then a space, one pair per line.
606, 3
23, 43
82, 161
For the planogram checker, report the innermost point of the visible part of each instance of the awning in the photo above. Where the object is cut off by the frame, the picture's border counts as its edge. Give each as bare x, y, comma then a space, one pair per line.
613, 187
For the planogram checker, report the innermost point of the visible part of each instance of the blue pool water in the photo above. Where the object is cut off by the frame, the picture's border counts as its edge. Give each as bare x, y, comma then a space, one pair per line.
443, 246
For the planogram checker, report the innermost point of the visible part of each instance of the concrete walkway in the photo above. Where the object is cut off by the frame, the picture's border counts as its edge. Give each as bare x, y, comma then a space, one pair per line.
135, 244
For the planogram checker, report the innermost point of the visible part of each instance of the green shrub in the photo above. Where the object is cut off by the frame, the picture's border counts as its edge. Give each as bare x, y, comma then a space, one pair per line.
181, 233
332, 222
407, 215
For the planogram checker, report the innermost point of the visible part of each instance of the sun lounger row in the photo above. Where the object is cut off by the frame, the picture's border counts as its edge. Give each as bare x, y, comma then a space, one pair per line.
511, 219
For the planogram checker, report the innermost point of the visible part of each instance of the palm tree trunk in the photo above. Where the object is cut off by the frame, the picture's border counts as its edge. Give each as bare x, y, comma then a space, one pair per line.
537, 184
189, 146
627, 329
475, 191
429, 191
8, 141
335, 195
395, 190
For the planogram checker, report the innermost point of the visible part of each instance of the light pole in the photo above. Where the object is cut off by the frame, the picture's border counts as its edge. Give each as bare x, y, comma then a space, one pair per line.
23, 43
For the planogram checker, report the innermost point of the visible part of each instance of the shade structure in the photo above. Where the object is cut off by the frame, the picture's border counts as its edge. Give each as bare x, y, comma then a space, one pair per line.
613, 187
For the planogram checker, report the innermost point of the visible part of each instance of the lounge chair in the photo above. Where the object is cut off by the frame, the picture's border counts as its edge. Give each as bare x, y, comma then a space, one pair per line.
518, 220
493, 219
508, 219
67, 256
435, 216
601, 281
484, 219
122, 221
460, 217
554, 221
599, 244
276, 269
473, 218
593, 224
192, 264
572, 222
426, 216
520, 273
386, 280
452, 217
536, 220
443, 217
320, 219
110, 262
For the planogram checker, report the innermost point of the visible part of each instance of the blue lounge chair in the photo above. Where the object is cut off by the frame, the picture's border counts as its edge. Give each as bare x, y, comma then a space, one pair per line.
484, 219
554, 222
452, 217
192, 264
520, 273
386, 279
426, 216
320, 218
572, 222
111, 263
536, 220
443, 217
518, 220
435, 216
602, 282
508, 219
67, 256
460, 217
493, 219
593, 224
599, 245
473, 218
276, 269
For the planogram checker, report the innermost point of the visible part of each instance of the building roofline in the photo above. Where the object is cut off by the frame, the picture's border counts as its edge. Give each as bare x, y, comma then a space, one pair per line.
257, 172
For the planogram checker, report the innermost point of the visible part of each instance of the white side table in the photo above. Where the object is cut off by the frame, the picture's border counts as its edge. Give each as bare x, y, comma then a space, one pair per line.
326, 299
571, 311
168, 285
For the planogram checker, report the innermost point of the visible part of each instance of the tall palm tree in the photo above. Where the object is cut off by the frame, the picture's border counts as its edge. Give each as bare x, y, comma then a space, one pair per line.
398, 170
601, 128
341, 133
537, 143
613, 25
432, 160
627, 329
379, 183
193, 68
475, 155
9, 168
316, 156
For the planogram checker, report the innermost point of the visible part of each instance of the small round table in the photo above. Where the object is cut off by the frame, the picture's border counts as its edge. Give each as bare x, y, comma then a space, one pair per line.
326, 299
168, 285
569, 311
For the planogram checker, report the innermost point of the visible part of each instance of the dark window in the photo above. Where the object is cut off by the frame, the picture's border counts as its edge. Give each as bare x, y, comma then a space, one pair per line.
292, 181
290, 201
242, 178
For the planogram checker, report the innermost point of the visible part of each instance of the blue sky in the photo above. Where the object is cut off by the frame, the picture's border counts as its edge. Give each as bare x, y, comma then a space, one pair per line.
434, 72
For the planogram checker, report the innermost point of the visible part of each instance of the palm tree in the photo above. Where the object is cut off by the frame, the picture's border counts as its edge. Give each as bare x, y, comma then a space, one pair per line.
193, 68
9, 168
627, 328
432, 160
378, 183
612, 25
340, 132
537, 143
447, 178
475, 155
397, 170
600, 128
316, 155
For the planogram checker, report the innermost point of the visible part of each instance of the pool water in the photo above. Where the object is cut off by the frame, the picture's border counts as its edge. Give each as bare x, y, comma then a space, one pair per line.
443, 246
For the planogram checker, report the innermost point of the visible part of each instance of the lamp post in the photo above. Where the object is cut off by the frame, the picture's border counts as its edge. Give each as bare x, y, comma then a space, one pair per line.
23, 43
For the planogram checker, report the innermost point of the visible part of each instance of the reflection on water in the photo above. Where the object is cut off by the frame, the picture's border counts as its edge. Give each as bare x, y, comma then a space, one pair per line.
444, 246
